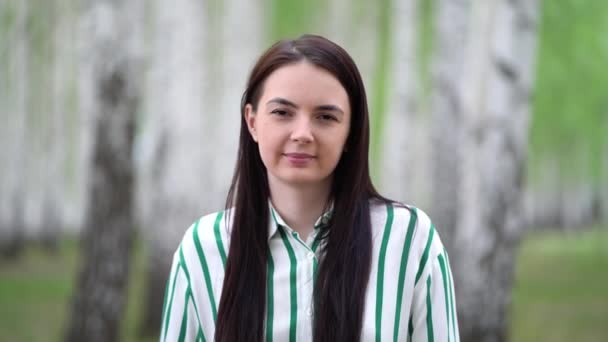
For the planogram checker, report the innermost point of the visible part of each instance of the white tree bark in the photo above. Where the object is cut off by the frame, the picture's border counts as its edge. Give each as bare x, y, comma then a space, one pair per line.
354, 26
340, 22
403, 151
101, 288
174, 177
192, 134
5, 124
39, 114
480, 204
53, 200
452, 21
14, 193
237, 59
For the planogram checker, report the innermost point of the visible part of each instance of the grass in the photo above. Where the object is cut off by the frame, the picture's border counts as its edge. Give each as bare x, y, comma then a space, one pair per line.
35, 294
560, 293
561, 287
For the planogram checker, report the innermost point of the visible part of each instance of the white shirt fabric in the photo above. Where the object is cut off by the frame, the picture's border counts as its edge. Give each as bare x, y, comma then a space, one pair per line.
410, 294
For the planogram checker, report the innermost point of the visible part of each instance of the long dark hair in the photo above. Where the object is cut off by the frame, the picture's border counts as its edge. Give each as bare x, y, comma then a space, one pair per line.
339, 294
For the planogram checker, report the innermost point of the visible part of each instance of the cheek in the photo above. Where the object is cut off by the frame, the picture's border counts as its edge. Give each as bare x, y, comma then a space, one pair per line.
337, 145
264, 152
268, 149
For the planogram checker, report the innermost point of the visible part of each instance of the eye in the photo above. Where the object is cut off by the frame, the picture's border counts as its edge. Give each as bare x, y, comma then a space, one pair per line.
327, 117
279, 112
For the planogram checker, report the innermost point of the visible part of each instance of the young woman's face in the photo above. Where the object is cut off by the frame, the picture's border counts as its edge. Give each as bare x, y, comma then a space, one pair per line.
301, 124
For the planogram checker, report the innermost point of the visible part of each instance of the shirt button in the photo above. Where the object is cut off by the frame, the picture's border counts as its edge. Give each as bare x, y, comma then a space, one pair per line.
309, 311
311, 255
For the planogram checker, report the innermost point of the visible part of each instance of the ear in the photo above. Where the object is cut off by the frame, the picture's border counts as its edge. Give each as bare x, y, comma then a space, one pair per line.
250, 117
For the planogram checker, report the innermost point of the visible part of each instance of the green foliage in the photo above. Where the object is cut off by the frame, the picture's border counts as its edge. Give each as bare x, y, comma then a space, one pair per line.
290, 19
571, 97
8, 17
379, 92
560, 288
35, 294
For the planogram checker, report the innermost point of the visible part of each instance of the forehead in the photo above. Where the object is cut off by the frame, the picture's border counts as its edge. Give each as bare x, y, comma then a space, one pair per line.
305, 83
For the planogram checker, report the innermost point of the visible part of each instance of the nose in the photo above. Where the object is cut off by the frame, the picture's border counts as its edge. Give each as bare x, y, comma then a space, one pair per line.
302, 131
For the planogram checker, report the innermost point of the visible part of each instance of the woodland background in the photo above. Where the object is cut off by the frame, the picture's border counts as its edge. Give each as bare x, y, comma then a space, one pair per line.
119, 123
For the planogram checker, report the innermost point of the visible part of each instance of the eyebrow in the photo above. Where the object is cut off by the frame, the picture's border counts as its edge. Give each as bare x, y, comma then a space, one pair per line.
285, 102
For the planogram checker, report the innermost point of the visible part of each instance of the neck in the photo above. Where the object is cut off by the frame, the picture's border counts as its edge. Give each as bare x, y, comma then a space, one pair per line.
299, 205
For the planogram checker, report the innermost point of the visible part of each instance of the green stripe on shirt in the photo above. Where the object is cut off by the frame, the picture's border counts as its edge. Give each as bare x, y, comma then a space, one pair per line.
381, 261
206, 275
184, 325
200, 336
293, 286
182, 261
410, 329
429, 311
425, 255
402, 269
168, 312
165, 302
445, 291
269, 298
218, 237
450, 279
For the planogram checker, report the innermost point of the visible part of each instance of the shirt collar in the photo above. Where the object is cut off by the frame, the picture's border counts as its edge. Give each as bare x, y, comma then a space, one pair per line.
275, 220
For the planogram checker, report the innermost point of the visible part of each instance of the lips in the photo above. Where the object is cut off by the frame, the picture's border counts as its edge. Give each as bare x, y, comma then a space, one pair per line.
299, 155
299, 159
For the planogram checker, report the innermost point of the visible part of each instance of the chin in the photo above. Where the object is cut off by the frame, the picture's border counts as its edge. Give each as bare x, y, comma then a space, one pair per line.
300, 179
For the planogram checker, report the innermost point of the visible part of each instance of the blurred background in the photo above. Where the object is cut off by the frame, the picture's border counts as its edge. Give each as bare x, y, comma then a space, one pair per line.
119, 123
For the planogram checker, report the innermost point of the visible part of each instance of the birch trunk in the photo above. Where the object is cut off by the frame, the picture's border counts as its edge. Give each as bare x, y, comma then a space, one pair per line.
193, 123
488, 104
237, 59
53, 189
402, 145
39, 116
174, 176
12, 239
354, 26
452, 20
67, 105
101, 289
340, 20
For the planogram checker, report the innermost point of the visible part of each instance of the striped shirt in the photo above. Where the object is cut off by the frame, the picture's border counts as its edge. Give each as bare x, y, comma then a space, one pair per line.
410, 294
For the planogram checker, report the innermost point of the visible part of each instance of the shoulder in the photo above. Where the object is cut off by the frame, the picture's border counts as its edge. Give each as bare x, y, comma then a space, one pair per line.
408, 224
398, 217
204, 240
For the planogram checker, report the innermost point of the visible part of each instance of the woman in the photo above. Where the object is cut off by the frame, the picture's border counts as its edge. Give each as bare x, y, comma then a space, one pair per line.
306, 249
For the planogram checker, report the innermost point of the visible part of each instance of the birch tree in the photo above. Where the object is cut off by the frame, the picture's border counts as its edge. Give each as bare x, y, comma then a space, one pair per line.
53, 147
173, 174
354, 26
401, 139
14, 193
202, 54
111, 69
483, 84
